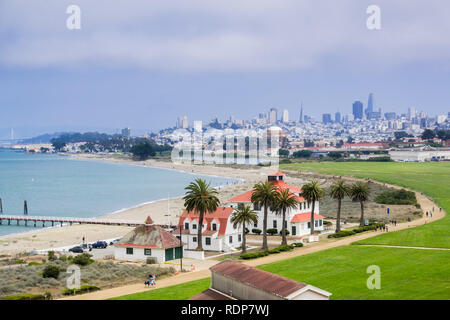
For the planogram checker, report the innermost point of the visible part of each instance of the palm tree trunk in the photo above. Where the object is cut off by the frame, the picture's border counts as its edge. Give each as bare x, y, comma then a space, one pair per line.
338, 218
264, 246
312, 217
244, 248
361, 222
199, 232
283, 230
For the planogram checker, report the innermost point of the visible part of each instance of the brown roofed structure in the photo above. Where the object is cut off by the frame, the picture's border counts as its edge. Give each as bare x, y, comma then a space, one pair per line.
210, 294
149, 236
260, 279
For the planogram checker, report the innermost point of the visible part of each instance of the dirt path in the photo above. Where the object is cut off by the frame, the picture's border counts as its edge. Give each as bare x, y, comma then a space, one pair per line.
425, 203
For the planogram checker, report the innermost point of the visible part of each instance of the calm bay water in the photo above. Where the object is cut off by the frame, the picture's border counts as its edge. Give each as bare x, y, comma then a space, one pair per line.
58, 186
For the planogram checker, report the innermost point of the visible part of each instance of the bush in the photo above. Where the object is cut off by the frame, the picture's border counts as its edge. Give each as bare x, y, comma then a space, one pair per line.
51, 271
45, 296
272, 231
327, 223
274, 250
51, 256
346, 233
33, 263
151, 260
297, 244
83, 289
83, 259
254, 255
257, 231
285, 248
397, 197
247, 231
287, 232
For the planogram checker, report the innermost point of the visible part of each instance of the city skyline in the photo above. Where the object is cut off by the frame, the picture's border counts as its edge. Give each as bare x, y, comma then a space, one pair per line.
130, 66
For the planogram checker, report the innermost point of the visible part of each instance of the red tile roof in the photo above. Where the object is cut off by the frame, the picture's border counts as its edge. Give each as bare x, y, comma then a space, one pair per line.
149, 237
247, 196
260, 279
221, 216
276, 173
302, 217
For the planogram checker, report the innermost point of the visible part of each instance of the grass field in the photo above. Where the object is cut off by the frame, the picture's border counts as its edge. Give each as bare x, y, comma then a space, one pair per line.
178, 292
405, 274
433, 179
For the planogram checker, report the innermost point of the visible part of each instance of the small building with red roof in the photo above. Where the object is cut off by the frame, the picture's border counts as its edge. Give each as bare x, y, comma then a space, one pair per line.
218, 233
298, 220
148, 240
232, 280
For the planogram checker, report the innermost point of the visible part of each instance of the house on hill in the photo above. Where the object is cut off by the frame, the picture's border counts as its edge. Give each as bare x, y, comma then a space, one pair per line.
232, 280
146, 241
298, 220
218, 233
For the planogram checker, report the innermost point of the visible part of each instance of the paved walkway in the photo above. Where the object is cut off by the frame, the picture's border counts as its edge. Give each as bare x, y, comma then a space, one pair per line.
425, 203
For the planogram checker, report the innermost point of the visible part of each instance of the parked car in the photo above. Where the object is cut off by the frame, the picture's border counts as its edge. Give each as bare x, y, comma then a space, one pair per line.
114, 242
76, 249
99, 245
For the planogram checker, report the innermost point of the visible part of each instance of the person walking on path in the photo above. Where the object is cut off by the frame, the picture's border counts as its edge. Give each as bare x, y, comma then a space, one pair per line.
431, 214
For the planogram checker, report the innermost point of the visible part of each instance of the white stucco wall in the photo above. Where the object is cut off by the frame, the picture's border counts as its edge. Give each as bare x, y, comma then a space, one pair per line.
120, 253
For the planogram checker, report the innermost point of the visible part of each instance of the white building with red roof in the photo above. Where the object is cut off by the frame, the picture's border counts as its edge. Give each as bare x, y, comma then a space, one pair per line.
146, 241
218, 233
298, 220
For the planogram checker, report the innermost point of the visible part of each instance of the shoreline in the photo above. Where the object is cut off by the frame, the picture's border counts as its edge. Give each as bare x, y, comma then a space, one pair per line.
159, 209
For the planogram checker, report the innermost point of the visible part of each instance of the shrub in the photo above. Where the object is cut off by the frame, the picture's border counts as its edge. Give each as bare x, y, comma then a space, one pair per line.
51, 256
397, 197
274, 250
297, 244
33, 263
151, 260
285, 248
83, 289
247, 231
45, 296
272, 231
327, 223
254, 255
51, 271
257, 231
287, 232
83, 259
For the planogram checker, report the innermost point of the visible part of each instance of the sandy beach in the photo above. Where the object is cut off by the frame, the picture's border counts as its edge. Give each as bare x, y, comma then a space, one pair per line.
70, 235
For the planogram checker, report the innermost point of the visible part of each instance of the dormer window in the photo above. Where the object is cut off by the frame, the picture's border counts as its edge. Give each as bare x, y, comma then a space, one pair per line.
194, 226
186, 225
214, 227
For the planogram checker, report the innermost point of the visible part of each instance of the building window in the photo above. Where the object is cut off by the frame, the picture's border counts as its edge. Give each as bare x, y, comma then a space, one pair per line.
194, 226
186, 225
256, 225
231, 239
148, 252
239, 237
214, 227
194, 239
240, 206
274, 224
309, 225
316, 223
285, 224
257, 207
208, 241
129, 250
320, 222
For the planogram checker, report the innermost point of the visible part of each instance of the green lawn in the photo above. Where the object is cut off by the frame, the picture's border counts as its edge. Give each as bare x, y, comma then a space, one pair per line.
178, 292
432, 179
405, 274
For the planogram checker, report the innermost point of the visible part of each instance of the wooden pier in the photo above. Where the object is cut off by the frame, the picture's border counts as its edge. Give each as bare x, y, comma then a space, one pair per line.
7, 219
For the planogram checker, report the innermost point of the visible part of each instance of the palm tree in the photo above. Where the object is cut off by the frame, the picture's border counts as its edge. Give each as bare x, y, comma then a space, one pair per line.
264, 195
312, 192
200, 197
338, 191
360, 191
284, 200
243, 217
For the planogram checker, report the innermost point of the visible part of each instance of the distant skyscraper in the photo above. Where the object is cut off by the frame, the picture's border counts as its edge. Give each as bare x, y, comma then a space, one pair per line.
326, 118
337, 117
285, 117
301, 113
273, 116
184, 122
411, 113
370, 105
358, 110
126, 132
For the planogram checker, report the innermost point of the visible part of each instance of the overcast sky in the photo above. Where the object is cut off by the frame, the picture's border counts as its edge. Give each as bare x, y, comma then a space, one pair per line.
143, 63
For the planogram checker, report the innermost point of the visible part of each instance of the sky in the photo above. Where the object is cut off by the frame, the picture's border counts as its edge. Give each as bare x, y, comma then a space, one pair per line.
141, 64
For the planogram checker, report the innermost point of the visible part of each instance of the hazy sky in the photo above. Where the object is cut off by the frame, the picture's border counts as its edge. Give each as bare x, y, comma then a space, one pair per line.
143, 63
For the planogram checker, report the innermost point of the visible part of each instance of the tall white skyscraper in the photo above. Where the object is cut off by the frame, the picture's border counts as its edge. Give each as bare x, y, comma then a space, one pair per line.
411, 113
273, 116
285, 117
